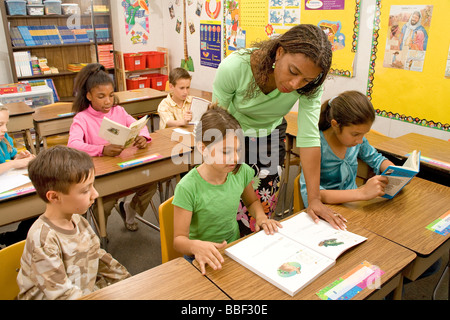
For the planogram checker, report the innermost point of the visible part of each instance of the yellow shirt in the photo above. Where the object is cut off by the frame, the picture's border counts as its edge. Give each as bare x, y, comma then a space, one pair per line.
170, 110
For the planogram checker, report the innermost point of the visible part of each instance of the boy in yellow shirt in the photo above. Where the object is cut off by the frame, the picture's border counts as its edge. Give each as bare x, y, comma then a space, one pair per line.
175, 110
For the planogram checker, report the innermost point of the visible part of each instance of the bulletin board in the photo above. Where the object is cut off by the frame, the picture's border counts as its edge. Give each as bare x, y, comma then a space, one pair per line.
408, 72
249, 21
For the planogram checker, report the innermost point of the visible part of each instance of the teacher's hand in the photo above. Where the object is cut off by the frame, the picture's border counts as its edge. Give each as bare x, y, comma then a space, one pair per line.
317, 209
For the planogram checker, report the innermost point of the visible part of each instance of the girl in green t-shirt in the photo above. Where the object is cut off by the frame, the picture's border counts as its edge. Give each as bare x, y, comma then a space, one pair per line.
207, 198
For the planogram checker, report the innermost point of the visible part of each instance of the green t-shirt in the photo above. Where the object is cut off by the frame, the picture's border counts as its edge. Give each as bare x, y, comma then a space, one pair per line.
264, 112
214, 207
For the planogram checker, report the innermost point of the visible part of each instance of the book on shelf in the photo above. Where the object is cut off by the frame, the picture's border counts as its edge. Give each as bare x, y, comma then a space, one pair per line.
399, 176
66, 35
116, 133
198, 108
296, 255
22, 61
16, 37
26, 36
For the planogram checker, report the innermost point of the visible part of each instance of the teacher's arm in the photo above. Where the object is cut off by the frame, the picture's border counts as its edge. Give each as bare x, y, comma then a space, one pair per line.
308, 140
310, 160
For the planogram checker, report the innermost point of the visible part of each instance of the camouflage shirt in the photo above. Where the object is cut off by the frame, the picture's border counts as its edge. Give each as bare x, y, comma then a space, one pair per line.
65, 264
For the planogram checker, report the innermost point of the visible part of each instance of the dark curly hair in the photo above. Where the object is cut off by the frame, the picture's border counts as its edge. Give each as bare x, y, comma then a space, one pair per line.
307, 39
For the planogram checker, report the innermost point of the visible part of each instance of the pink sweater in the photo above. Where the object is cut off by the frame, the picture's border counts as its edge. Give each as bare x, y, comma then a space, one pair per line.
84, 130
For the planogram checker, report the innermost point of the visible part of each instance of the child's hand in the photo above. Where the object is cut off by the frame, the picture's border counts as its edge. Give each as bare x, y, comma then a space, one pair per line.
206, 252
374, 187
112, 150
22, 159
187, 116
140, 142
270, 226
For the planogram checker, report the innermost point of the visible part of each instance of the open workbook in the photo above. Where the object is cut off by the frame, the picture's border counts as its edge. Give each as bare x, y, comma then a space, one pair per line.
198, 108
119, 134
296, 255
399, 176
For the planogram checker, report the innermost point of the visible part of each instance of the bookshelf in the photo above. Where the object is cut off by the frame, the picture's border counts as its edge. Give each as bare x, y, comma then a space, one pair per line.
60, 55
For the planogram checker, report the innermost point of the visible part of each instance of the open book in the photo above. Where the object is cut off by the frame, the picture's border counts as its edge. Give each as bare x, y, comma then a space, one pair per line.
399, 176
117, 133
198, 108
296, 255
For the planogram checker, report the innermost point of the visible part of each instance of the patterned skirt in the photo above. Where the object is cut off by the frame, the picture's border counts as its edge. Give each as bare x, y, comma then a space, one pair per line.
266, 156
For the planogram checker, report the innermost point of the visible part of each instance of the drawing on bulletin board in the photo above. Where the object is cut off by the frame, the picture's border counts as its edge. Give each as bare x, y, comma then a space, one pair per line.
407, 38
136, 13
250, 21
447, 67
410, 86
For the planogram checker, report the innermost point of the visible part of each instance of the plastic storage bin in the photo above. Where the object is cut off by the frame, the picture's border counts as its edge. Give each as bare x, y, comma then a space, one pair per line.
38, 96
34, 2
158, 81
138, 83
35, 9
134, 61
52, 7
69, 8
16, 7
155, 59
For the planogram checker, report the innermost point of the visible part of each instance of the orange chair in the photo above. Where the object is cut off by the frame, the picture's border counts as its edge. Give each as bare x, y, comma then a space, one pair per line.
9, 267
166, 231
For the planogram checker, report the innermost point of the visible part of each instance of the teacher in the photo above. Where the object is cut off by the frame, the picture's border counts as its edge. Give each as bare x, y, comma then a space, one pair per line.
259, 86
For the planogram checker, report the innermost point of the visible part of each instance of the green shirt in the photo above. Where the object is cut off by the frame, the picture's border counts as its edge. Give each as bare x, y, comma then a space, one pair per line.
264, 112
213, 207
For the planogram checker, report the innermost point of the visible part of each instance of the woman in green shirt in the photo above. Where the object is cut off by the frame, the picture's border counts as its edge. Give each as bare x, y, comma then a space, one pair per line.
259, 86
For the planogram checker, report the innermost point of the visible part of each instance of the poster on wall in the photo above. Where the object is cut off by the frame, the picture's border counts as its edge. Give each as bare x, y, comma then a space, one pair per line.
407, 38
410, 86
210, 43
250, 21
136, 14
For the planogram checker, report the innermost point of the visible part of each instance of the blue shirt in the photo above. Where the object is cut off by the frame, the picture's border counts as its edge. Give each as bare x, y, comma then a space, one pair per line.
340, 174
4, 153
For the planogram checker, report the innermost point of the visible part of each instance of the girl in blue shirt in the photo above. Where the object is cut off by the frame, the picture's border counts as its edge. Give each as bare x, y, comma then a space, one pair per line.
344, 120
9, 158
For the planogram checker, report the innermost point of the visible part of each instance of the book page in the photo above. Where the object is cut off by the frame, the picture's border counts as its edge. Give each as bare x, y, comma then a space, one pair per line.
413, 161
320, 237
283, 262
198, 108
135, 128
113, 132
10, 181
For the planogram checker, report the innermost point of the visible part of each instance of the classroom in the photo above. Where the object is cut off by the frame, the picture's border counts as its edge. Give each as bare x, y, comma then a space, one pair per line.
339, 111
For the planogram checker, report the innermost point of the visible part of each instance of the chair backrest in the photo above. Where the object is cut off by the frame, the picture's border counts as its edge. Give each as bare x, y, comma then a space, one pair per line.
9, 267
298, 202
166, 231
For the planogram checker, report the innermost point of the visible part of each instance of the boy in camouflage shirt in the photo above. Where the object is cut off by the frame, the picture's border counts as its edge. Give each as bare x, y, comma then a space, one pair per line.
62, 258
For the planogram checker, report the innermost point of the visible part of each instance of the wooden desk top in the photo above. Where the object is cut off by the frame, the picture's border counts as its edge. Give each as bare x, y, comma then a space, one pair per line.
174, 280
160, 144
240, 283
185, 139
404, 218
18, 109
138, 95
430, 147
53, 111
201, 94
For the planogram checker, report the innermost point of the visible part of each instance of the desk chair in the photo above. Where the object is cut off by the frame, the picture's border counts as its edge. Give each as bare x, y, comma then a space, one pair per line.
9, 267
166, 231
298, 201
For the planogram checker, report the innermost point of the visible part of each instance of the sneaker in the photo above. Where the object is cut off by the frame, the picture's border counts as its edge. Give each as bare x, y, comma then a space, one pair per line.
120, 207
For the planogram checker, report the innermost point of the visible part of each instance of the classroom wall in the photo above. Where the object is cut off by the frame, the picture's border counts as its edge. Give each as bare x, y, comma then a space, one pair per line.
162, 33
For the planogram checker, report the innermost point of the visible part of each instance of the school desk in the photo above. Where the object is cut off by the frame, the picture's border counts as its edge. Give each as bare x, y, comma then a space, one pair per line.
173, 280
239, 283
404, 219
21, 120
50, 120
111, 178
201, 94
435, 154
141, 102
